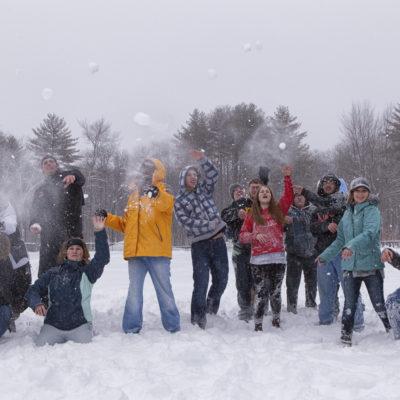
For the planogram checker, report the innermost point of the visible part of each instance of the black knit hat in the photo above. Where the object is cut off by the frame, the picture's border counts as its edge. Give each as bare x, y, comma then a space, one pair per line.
233, 187
75, 242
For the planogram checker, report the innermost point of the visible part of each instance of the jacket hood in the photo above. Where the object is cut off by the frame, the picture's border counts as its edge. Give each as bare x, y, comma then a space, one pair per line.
328, 177
159, 172
182, 177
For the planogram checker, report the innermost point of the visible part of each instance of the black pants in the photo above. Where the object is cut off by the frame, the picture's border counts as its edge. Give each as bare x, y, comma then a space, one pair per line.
267, 284
351, 289
295, 265
244, 284
50, 246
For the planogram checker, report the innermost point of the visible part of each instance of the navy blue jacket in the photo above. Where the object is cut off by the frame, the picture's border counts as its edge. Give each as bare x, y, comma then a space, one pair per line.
69, 288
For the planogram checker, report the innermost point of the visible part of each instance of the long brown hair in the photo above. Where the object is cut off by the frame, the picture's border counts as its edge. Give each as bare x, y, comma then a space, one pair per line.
62, 255
273, 209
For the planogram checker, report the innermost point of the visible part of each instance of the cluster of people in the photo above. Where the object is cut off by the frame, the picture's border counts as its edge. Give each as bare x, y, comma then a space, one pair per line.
332, 237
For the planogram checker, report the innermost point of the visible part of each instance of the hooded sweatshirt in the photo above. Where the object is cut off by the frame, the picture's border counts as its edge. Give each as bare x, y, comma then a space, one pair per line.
195, 209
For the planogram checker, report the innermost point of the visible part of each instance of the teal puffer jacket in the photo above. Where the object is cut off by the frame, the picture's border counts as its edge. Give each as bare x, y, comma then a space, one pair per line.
359, 230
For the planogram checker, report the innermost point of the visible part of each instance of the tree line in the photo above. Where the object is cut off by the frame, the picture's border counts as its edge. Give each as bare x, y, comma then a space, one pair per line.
238, 139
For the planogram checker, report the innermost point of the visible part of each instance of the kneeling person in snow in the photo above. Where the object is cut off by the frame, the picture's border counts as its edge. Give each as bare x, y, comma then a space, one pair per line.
393, 300
69, 287
147, 229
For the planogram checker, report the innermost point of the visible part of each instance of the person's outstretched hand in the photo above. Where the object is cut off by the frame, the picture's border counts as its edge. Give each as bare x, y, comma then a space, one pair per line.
387, 256
98, 223
197, 154
41, 310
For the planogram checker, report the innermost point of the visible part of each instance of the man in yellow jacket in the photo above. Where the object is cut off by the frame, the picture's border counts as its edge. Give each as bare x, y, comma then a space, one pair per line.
147, 227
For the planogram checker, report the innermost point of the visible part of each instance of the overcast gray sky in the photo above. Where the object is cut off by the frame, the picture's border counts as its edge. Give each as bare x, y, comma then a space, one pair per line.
155, 57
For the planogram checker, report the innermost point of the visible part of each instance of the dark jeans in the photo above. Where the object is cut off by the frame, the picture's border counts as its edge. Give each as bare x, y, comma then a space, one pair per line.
208, 256
295, 265
50, 246
267, 284
351, 288
244, 284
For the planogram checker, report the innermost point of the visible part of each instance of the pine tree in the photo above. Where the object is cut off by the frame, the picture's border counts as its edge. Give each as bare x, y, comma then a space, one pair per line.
54, 137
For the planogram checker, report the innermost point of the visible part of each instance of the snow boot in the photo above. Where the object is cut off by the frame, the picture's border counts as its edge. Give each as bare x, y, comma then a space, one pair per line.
258, 327
346, 339
276, 322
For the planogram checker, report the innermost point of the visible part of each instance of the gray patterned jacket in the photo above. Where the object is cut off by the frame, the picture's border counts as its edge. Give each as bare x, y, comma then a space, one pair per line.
195, 210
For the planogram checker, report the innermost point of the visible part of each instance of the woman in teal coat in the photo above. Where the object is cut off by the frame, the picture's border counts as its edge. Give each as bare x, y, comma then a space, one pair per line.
358, 241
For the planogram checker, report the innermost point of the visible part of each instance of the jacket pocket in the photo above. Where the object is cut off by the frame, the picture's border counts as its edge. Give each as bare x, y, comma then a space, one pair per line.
159, 232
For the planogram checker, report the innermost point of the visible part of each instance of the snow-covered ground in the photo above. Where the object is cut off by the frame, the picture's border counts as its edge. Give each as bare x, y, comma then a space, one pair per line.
226, 361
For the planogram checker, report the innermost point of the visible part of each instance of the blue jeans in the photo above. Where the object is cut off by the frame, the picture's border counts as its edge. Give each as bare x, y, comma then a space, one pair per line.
393, 311
329, 276
208, 256
5, 317
351, 287
159, 270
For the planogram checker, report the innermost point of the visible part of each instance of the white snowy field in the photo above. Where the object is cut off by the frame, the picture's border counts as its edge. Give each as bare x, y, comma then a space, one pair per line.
226, 361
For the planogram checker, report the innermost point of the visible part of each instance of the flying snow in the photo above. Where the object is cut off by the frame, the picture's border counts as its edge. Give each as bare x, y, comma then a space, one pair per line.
142, 119
93, 67
212, 73
282, 146
247, 47
47, 93
258, 45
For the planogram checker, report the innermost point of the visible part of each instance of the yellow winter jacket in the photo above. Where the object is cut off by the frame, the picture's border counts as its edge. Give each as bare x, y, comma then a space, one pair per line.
147, 222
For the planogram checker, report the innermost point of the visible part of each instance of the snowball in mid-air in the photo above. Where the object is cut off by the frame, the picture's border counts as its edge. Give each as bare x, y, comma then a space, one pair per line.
282, 146
85, 196
93, 67
247, 47
212, 73
258, 45
142, 119
47, 93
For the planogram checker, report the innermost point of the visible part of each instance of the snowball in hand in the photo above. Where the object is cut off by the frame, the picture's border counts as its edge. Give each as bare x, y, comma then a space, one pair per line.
142, 119
93, 67
47, 93
212, 73
247, 47
282, 146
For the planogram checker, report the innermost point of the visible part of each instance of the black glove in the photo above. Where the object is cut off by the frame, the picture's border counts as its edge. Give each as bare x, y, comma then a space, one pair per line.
263, 173
101, 212
151, 191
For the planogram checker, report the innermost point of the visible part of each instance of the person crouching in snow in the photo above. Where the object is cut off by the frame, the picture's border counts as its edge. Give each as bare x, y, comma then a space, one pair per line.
263, 229
358, 242
393, 300
147, 226
69, 288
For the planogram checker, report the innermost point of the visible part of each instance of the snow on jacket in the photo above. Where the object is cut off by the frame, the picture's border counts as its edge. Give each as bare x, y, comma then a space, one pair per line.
359, 230
56, 209
329, 208
69, 287
8, 219
298, 238
195, 209
147, 222
272, 228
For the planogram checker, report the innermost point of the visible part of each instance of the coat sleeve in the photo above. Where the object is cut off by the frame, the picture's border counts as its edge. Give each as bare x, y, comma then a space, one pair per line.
396, 259
79, 178
287, 198
336, 247
318, 227
164, 202
36, 208
188, 223
209, 175
22, 280
230, 215
315, 199
246, 233
101, 257
38, 290
371, 227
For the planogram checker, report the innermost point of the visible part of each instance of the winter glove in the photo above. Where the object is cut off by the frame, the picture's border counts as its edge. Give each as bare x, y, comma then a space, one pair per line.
263, 173
151, 191
101, 212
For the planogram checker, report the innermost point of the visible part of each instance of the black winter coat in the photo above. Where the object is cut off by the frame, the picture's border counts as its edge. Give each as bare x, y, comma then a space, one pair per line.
56, 209
329, 208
